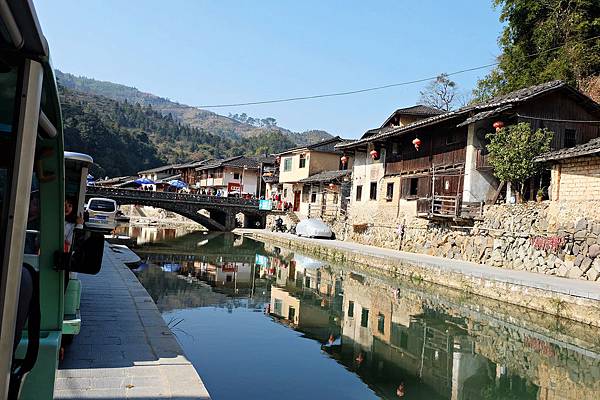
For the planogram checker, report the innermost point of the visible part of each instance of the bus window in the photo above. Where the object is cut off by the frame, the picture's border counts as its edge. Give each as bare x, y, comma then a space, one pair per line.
8, 94
8, 88
32, 238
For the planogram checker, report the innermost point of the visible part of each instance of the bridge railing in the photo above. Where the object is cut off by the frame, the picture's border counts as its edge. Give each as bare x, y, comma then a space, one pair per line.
169, 196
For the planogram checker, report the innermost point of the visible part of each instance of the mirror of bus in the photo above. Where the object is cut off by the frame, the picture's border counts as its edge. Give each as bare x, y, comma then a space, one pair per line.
86, 251
84, 246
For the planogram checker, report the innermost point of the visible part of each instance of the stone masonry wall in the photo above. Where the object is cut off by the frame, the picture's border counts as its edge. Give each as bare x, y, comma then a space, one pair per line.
555, 238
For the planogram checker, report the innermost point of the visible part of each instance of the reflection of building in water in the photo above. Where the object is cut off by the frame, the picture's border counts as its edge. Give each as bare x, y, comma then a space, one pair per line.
228, 274
391, 334
304, 295
305, 311
149, 234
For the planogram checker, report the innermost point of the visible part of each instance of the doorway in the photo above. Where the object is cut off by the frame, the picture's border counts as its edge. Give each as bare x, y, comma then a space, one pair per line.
296, 201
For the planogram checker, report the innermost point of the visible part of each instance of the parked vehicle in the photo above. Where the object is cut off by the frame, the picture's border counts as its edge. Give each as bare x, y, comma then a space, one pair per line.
35, 178
101, 213
279, 225
313, 228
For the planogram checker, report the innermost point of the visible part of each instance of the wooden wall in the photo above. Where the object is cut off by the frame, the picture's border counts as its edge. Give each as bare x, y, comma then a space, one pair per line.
560, 106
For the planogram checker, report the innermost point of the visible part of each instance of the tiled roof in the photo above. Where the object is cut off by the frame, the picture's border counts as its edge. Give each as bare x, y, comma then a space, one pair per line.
169, 178
507, 100
158, 169
485, 114
237, 162
326, 176
192, 164
419, 110
324, 145
590, 148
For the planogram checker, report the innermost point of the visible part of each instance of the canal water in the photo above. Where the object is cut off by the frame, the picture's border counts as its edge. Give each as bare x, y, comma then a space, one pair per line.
262, 322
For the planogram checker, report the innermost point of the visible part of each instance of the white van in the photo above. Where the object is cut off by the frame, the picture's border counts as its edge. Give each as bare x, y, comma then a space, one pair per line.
101, 213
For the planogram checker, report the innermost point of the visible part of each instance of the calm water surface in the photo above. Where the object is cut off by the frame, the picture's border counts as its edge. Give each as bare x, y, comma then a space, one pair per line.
260, 322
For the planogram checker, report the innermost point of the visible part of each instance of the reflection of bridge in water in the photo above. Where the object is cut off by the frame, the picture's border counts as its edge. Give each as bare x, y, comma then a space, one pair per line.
203, 246
214, 213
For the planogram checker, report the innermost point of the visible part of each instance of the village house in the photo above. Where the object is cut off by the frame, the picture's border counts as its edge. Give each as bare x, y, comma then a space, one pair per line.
575, 172
309, 175
368, 171
232, 176
163, 173
188, 172
437, 166
270, 178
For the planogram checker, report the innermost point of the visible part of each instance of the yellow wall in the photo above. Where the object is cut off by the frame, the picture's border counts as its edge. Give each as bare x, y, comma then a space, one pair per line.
315, 162
296, 173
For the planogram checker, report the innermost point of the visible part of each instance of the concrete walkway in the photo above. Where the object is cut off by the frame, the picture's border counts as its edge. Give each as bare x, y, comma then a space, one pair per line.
573, 287
124, 350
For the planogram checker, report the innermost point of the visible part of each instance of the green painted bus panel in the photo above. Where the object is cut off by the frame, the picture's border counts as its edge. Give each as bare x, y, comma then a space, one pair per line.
72, 318
52, 236
49, 169
39, 383
72, 324
72, 297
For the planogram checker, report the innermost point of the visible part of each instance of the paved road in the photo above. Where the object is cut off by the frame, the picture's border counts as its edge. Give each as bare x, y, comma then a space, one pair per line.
124, 350
574, 287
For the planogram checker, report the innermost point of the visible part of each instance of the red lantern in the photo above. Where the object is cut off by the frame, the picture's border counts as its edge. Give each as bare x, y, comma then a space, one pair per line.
417, 142
344, 160
498, 125
374, 154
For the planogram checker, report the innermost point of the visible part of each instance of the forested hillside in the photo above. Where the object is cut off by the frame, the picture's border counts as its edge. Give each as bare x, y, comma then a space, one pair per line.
219, 125
124, 138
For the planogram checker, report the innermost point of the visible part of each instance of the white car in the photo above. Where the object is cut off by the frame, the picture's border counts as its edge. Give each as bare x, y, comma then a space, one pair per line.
101, 213
313, 227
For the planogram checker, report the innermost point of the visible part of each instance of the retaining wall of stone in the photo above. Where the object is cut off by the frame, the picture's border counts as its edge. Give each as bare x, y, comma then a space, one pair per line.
561, 239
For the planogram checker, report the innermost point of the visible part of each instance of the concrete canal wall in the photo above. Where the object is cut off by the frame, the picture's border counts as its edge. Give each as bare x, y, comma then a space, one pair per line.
574, 299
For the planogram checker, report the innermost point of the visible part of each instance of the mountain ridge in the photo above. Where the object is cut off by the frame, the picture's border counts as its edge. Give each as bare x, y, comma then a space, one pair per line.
195, 117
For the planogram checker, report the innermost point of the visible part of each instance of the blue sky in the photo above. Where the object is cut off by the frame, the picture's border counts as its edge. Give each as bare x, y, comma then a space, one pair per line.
218, 51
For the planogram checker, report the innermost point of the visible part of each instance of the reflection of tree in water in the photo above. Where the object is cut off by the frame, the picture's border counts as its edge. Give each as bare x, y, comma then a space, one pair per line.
207, 244
170, 292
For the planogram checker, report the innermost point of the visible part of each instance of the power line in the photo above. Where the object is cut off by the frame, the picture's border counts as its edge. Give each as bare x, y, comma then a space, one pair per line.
370, 89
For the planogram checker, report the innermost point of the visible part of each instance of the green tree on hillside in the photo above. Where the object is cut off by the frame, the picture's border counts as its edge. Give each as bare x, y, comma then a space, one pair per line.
545, 40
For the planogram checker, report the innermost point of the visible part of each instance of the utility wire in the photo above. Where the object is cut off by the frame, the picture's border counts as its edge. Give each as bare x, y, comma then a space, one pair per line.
370, 89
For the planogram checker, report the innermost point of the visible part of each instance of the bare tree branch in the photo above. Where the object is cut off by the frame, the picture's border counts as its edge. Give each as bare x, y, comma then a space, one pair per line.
442, 94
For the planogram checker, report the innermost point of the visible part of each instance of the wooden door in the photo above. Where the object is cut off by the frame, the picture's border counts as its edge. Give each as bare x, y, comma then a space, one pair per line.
296, 201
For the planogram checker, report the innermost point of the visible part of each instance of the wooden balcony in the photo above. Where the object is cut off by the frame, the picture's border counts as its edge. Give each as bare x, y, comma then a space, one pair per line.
448, 207
327, 212
439, 160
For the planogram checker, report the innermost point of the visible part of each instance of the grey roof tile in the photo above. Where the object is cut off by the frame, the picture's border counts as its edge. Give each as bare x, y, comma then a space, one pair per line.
325, 176
511, 98
590, 148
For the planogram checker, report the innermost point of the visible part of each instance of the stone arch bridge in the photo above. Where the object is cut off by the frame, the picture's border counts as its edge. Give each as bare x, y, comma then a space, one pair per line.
218, 212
